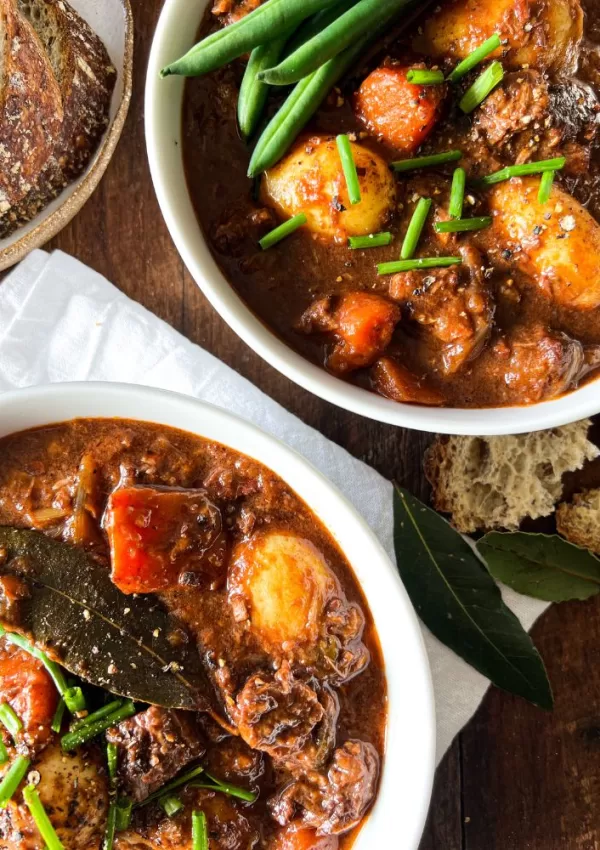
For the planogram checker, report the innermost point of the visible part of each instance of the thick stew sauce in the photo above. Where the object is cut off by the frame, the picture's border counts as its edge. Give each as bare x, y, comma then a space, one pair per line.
516, 319
289, 756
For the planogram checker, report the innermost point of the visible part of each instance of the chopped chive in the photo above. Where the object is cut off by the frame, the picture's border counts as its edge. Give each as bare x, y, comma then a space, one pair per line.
105, 711
171, 786
421, 263
415, 228
226, 788
3, 752
57, 720
285, 229
475, 58
199, 831
123, 814
349, 167
374, 240
457, 193
171, 805
74, 700
83, 734
522, 170
545, 187
111, 758
111, 824
483, 86
425, 77
462, 225
53, 669
12, 779
41, 819
9, 719
425, 161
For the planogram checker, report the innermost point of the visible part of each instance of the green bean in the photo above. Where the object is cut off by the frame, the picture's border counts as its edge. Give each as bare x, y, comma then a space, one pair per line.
265, 24
313, 26
344, 32
254, 93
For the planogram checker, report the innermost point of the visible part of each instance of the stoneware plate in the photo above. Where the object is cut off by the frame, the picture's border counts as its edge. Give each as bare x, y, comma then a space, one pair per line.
113, 21
399, 813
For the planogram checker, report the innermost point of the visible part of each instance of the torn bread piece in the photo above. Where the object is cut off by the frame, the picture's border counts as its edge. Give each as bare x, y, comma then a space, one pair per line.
579, 520
497, 482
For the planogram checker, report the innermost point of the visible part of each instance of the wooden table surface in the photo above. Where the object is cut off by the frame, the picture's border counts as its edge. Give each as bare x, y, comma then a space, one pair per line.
516, 778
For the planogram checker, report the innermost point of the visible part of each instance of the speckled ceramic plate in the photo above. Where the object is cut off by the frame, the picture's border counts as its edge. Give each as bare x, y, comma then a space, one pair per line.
113, 21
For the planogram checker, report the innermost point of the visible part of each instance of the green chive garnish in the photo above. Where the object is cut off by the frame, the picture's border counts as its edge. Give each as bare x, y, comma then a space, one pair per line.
226, 788
474, 58
57, 720
74, 700
123, 814
3, 753
103, 712
171, 786
421, 263
463, 225
545, 187
53, 669
111, 827
85, 733
41, 819
199, 831
285, 229
111, 758
457, 193
425, 77
425, 161
415, 228
12, 779
522, 170
374, 240
349, 167
171, 805
9, 719
482, 87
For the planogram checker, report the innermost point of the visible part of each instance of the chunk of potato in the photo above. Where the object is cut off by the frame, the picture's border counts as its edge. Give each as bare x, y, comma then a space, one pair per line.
557, 243
540, 34
311, 180
285, 584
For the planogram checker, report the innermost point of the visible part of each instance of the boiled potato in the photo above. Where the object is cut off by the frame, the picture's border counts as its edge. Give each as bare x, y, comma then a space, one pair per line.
285, 583
310, 179
540, 35
557, 243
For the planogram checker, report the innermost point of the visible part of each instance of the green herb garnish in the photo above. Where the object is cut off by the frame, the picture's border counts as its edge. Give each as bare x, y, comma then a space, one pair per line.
483, 86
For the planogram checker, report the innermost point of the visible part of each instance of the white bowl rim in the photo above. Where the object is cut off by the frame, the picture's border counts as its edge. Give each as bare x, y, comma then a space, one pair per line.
410, 749
175, 31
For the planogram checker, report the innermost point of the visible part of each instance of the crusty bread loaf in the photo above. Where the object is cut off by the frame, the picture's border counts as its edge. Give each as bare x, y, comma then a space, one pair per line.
579, 521
496, 482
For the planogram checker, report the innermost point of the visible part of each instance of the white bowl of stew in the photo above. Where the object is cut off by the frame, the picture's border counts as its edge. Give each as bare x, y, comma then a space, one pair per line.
120, 424
247, 297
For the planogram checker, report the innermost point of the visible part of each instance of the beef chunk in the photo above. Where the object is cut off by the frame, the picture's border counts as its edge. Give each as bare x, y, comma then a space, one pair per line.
152, 748
519, 105
336, 801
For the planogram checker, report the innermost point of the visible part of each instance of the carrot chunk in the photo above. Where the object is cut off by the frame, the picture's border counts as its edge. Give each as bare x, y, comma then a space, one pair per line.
27, 687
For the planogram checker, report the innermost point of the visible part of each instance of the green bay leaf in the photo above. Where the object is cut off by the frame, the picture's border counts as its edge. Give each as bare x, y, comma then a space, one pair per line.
124, 644
541, 565
460, 603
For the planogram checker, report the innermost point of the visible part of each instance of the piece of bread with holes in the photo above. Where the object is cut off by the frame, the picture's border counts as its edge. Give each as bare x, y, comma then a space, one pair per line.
579, 520
497, 482
85, 77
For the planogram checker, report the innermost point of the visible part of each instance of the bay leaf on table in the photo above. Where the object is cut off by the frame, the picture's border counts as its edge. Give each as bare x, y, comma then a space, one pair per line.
117, 642
541, 565
461, 604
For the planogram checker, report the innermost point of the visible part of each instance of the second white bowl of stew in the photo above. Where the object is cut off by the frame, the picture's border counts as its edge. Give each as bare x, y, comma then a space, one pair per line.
461, 293
202, 646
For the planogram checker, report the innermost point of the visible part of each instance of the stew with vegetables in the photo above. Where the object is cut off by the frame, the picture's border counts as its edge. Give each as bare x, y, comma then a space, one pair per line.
186, 659
436, 177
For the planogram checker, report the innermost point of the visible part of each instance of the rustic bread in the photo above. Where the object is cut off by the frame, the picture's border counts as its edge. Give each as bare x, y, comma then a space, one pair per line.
496, 482
31, 110
579, 521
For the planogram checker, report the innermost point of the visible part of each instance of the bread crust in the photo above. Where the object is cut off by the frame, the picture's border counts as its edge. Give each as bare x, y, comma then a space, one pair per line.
579, 521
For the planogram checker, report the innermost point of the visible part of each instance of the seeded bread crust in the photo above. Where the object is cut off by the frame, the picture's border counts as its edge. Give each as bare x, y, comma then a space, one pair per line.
496, 482
579, 521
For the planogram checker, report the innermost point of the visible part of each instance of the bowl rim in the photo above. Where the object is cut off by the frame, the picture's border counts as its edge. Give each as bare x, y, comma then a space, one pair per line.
380, 581
51, 224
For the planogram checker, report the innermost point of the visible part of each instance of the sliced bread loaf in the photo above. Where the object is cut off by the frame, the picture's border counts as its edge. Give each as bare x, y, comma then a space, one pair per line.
579, 521
496, 482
